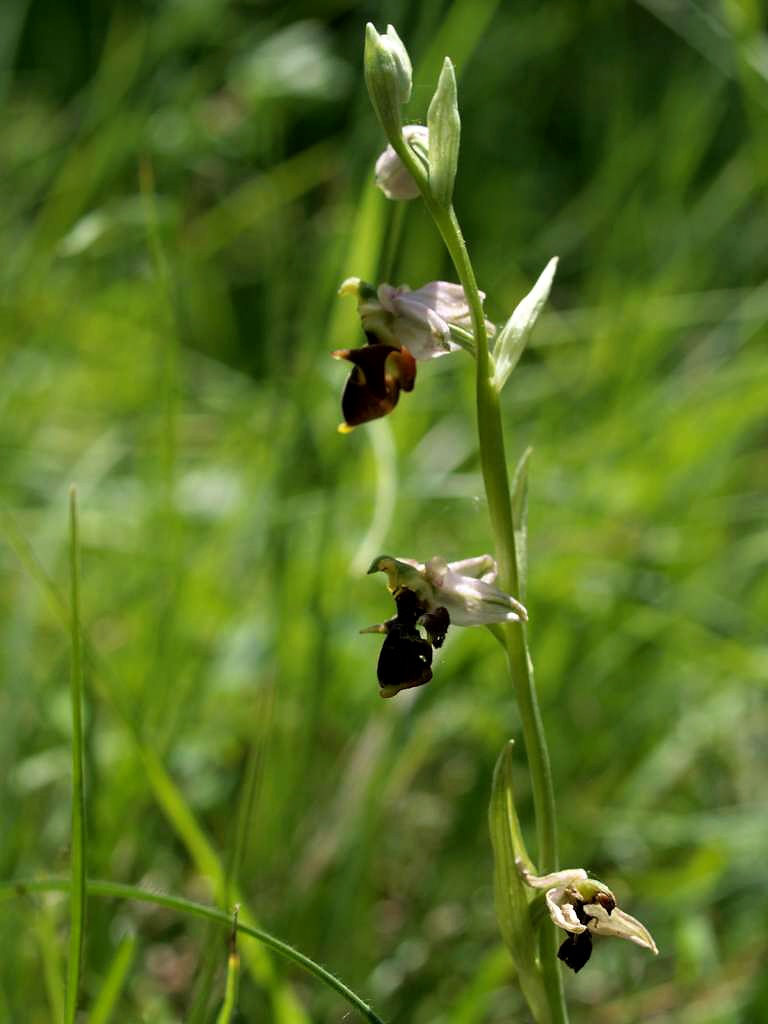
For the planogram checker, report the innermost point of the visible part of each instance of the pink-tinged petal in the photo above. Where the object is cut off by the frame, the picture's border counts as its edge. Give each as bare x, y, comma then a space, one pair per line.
482, 567
422, 343
391, 175
471, 602
445, 297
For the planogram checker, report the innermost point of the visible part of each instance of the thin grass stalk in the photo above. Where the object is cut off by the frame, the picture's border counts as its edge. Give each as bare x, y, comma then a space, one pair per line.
229, 1005
77, 892
105, 1003
50, 959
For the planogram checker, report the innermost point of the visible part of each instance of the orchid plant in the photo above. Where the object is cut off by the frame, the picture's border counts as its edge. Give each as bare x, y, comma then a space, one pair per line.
405, 327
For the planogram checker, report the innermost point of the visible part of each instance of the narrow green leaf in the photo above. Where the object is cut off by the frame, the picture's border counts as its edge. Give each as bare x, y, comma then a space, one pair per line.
105, 1004
444, 127
77, 893
516, 331
511, 894
520, 519
50, 961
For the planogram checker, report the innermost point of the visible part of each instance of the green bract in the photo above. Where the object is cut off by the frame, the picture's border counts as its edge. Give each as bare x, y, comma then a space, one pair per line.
511, 897
444, 135
516, 331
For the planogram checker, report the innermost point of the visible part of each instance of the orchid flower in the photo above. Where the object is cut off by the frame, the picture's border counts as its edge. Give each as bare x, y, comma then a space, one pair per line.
465, 589
429, 597
402, 326
584, 907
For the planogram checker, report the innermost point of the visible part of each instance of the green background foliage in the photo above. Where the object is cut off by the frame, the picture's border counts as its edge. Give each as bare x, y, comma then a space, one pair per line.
184, 185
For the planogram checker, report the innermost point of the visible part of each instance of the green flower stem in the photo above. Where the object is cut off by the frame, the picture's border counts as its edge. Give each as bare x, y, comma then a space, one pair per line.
496, 479
120, 891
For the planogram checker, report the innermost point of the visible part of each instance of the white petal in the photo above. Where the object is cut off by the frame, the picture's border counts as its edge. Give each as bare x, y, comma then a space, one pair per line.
563, 912
408, 307
471, 602
393, 178
421, 342
557, 880
620, 925
446, 298
387, 293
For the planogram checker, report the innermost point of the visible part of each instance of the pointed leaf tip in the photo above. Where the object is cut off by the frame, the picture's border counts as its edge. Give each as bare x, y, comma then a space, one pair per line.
514, 335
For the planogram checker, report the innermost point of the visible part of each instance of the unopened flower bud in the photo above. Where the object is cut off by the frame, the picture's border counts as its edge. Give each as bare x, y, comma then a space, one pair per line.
395, 46
388, 76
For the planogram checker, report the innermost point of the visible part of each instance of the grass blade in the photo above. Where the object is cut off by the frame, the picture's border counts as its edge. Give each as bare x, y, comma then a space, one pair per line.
286, 1007
50, 958
233, 977
77, 892
112, 987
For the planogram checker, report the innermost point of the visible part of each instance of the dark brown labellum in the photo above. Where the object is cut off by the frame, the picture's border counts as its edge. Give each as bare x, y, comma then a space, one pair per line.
373, 387
405, 660
436, 624
409, 608
578, 909
576, 951
406, 657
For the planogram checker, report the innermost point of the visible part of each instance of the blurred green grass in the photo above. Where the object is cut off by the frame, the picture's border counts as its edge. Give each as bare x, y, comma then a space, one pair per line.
224, 522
